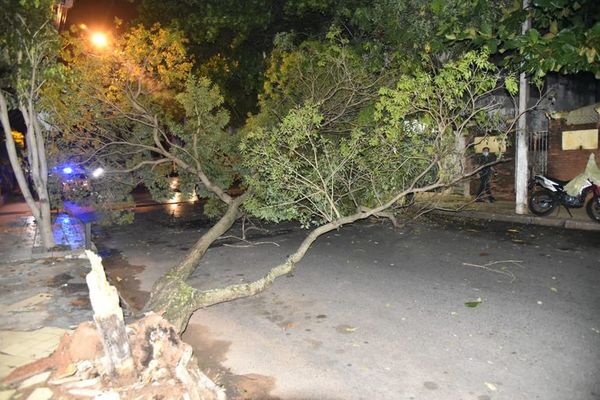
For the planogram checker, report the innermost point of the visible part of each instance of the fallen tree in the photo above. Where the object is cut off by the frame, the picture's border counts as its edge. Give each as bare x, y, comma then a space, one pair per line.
325, 180
332, 145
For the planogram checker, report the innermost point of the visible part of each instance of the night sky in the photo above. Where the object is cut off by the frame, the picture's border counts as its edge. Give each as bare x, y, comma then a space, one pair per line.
100, 14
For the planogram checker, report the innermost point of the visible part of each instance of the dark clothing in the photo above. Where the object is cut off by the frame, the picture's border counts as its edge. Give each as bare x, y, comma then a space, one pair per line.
485, 177
485, 188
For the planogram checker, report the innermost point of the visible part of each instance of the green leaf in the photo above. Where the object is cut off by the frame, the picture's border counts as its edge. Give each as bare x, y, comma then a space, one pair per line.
474, 303
533, 35
591, 54
437, 6
511, 85
492, 46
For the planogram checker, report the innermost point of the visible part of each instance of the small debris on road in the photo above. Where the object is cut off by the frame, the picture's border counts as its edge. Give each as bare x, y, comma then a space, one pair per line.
473, 304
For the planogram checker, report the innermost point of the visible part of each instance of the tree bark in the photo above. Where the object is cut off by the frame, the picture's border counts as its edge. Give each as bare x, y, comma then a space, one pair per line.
170, 295
177, 300
35, 144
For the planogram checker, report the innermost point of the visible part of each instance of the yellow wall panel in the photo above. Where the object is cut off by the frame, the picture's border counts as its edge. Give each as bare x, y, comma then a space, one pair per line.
496, 144
585, 139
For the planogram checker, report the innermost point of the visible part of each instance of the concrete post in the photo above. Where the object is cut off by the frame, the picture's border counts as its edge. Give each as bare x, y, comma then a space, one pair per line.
521, 148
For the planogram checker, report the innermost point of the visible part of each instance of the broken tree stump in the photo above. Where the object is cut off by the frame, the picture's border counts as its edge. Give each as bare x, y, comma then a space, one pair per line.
108, 317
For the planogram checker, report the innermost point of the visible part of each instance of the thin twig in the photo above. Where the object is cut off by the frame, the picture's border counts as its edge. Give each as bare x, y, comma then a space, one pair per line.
250, 243
498, 271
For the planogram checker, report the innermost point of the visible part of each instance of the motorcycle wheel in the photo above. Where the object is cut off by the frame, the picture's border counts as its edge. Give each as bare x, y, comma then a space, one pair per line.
541, 203
593, 209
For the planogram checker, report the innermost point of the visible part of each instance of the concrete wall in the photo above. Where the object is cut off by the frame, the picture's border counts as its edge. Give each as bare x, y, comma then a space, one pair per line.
564, 93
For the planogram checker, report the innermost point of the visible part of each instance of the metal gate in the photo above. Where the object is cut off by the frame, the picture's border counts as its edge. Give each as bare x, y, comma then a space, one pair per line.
538, 153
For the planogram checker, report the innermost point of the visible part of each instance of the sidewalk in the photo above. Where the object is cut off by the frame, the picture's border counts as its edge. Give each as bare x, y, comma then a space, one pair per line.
42, 294
505, 211
20, 241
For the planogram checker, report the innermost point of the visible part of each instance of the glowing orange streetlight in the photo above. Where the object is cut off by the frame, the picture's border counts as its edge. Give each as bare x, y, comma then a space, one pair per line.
99, 39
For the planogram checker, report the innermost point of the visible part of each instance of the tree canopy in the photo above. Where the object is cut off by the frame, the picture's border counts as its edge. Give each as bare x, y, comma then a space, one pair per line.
564, 38
136, 110
310, 165
232, 41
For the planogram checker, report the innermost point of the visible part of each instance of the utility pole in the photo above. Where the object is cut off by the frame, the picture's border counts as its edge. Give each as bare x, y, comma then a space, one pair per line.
522, 148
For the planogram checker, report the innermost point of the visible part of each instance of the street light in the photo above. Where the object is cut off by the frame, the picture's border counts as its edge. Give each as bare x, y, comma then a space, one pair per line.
99, 39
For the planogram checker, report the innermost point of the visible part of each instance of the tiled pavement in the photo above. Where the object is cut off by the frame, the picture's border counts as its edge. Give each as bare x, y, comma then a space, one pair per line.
42, 295
22, 347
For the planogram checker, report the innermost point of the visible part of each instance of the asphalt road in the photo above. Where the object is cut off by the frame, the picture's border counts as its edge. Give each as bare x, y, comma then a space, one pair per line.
377, 313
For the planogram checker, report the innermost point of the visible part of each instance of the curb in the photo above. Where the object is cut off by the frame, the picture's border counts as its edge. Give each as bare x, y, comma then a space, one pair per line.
525, 219
38, 254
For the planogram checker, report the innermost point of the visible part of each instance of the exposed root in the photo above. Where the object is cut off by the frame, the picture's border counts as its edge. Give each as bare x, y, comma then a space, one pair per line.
165, 366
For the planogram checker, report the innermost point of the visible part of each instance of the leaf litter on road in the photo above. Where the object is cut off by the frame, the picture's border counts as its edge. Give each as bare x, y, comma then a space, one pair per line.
491, 386
474, 303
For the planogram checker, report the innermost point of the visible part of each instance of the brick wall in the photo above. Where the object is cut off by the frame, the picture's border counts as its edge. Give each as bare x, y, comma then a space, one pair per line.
566, 164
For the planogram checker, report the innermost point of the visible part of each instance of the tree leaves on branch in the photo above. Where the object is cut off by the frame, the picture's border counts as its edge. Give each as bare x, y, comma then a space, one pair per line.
564, 38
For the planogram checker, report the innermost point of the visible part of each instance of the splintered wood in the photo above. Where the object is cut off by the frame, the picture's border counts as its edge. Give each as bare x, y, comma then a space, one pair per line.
106, 360
109, 320
165, 366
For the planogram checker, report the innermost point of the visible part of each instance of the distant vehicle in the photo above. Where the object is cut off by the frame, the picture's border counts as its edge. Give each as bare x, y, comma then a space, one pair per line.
74, 182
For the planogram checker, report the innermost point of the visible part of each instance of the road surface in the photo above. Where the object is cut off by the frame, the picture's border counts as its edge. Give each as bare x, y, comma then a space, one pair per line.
377, 313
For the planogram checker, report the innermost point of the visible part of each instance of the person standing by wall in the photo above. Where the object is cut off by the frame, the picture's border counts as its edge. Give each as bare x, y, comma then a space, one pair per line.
485, 176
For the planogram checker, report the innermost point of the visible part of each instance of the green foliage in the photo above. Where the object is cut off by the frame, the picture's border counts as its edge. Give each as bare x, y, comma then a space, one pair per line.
232, 40
331, 74
565, 36
299, 173
457, 84
227, 39
28, 65
406, 138
444, 106
137, 110
28, 42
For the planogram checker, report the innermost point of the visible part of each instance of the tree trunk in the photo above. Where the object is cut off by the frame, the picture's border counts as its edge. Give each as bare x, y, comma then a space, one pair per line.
178, 300
170, 294
41, 209
173, 297
44, 223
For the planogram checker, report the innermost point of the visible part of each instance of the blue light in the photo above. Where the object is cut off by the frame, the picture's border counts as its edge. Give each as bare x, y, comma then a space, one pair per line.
67, 170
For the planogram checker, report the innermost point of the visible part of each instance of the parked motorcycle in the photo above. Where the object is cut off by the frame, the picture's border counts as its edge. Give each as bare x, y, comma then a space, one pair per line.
551, 194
